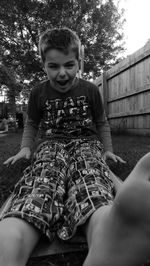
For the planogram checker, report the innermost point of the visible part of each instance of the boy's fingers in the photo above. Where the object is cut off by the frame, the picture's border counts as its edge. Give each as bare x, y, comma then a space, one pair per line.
11, 160
15, 159
120, 160
115, 159
8, 160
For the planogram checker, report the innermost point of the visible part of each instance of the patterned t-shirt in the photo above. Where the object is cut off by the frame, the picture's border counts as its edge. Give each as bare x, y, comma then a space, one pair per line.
76, 113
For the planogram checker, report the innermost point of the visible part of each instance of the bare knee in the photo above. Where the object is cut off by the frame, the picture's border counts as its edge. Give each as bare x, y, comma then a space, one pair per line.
132, 201
11, 245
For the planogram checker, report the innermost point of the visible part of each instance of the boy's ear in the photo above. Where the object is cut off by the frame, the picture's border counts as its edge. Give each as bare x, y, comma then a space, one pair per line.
44, 69
79, 63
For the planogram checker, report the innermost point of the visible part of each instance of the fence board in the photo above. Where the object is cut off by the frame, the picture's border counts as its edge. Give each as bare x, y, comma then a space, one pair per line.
126, 93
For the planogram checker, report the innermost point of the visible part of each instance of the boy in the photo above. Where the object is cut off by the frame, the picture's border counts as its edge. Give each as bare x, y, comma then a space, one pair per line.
68, 183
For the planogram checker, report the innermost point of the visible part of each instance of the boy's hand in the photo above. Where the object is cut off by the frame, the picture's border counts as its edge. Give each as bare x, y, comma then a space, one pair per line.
113, 157
24, 153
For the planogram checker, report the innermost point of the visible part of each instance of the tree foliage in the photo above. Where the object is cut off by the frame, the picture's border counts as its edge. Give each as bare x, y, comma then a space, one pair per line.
7, 78
97, 22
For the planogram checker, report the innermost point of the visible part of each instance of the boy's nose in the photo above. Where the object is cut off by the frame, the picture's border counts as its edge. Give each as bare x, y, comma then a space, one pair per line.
62, 72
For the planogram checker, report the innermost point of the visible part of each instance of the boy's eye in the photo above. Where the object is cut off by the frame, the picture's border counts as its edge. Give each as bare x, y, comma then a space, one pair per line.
53, 66
69, 65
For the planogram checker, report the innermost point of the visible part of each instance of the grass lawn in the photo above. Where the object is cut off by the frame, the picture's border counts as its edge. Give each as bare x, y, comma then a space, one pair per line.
130, 148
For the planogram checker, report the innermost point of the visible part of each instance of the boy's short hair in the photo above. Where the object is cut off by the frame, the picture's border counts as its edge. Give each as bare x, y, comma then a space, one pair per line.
61, 39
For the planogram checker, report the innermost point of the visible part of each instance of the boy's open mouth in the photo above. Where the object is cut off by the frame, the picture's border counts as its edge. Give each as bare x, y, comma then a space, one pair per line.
62, 82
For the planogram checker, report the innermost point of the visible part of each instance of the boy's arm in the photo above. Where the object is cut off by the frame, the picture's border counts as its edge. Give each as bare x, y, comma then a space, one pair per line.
102, 126
103, 130
100, 119
29, 134
104, 133
28, 139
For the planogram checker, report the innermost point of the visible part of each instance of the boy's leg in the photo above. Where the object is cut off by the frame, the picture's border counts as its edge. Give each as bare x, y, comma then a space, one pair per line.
120, 234
35, 197
17, 240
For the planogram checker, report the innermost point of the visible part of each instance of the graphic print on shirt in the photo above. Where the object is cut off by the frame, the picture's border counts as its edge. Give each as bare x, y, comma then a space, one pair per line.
69, 115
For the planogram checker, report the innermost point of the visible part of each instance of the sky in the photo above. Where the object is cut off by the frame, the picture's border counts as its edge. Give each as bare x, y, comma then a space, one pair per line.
137, 25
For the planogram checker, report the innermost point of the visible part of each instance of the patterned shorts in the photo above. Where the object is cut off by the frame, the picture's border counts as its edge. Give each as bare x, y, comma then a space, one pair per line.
65, 184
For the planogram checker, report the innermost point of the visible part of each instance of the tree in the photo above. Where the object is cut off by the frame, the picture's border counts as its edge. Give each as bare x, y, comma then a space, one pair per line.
7, 78
97, 22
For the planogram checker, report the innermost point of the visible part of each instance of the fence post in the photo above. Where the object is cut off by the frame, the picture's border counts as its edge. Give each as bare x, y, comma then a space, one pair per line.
104, 91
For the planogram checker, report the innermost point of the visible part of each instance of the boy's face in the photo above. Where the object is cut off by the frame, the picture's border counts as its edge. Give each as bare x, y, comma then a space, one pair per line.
61, 69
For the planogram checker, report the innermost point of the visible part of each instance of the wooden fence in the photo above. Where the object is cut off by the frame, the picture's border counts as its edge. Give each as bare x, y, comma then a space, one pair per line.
126, 93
